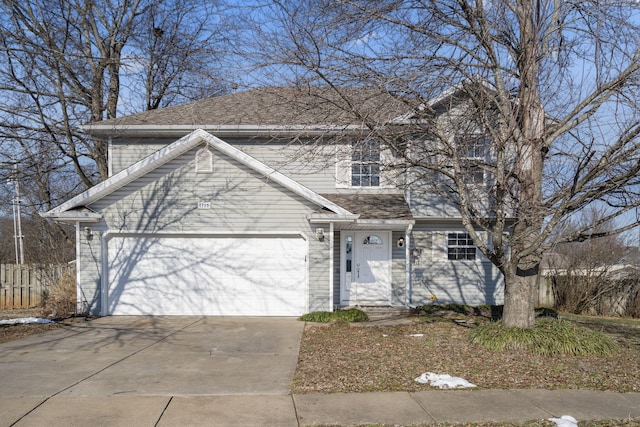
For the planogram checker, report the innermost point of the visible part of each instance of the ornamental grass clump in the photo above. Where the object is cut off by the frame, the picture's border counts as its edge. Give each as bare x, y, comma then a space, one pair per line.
348, 315
549, 337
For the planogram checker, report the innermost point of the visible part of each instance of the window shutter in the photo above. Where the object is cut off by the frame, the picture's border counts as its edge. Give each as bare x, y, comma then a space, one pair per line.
343, 166
439, 248
386, 173
486, 240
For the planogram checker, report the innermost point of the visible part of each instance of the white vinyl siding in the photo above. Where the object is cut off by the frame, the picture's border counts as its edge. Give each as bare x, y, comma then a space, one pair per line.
89, 264
315, 171
237, 200
343, 166
240, 200
461, 281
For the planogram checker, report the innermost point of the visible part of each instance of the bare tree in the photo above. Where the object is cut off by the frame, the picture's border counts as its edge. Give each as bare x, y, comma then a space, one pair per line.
70, 62
181, 48
65, 63
552, 84
584, 278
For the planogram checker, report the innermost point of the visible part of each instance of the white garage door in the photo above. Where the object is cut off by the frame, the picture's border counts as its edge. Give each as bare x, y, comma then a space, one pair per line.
255, 276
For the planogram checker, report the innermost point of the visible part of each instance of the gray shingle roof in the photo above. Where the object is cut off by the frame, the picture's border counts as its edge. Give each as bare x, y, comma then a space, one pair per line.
275, 106
373, 206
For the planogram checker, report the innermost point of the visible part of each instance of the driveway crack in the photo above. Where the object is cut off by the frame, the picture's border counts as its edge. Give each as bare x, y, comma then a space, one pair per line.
295, 409
124, 358
163, 411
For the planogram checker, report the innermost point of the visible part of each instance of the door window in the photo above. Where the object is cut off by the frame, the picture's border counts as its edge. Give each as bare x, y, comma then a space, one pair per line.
372, 240
349, 252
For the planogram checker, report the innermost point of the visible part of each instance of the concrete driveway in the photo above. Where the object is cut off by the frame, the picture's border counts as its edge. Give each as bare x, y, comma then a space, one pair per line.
148, 360
154, 356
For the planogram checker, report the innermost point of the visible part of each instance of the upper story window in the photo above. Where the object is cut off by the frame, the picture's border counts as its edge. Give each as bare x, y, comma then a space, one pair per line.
365, 164
460, 246
473, 153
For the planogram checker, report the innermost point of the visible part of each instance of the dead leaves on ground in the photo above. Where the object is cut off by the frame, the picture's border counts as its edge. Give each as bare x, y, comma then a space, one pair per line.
345, 358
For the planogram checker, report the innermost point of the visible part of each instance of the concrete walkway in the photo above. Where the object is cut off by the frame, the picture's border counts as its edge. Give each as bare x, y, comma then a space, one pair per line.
312, 409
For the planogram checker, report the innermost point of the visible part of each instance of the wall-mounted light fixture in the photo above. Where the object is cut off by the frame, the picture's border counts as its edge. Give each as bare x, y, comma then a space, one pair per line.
320, 234
88, 233
400, 242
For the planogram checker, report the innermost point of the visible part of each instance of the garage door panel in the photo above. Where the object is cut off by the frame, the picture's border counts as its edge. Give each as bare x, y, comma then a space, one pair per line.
207, 276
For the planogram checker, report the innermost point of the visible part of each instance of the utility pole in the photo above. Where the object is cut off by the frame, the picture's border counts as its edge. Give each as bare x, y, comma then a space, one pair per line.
17, 221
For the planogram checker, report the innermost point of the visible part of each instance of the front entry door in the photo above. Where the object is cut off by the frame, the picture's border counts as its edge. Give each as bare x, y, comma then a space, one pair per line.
371, 268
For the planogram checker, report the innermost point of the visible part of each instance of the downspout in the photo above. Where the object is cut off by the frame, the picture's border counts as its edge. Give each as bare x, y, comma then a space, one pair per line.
407, 252
104, 276
110, 156
331, 261
81, 303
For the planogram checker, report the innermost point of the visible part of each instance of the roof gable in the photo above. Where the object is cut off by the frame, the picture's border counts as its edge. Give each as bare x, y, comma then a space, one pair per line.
169, 153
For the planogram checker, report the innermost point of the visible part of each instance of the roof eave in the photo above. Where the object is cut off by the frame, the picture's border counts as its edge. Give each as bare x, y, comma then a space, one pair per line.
389, 222
318, 218
72, 216
104, 130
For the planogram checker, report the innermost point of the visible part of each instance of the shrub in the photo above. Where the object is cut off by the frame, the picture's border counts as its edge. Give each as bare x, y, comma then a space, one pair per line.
60, 299
548, 337
348, 315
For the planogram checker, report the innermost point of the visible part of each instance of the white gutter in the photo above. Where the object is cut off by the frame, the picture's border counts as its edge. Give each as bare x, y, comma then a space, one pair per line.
389, 222
333, 218
98, 129
72, 216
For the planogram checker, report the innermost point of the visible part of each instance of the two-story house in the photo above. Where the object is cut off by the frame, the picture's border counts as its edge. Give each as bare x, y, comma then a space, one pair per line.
267, 202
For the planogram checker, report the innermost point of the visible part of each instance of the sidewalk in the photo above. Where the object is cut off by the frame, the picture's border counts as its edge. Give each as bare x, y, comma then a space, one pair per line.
399, 408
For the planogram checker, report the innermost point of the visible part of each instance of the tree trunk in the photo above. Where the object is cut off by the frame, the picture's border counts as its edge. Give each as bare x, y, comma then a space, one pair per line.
521, 278
520, 291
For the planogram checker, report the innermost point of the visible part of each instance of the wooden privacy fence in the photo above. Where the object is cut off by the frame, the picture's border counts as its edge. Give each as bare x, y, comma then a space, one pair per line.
24, 286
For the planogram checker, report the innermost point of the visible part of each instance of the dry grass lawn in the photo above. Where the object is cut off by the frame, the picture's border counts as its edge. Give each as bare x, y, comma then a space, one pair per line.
13, 332
348, 358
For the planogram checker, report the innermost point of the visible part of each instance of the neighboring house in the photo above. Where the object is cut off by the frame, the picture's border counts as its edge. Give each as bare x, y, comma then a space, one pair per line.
221, 207
622, 264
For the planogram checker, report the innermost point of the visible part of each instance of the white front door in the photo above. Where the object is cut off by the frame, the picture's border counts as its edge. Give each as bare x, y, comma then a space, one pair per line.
368, 273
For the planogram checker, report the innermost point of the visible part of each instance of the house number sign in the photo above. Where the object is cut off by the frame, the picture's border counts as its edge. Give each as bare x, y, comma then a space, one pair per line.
204, 205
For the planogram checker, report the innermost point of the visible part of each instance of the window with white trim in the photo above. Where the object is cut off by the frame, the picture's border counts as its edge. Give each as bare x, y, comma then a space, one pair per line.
473, 153
365, 164
460, 246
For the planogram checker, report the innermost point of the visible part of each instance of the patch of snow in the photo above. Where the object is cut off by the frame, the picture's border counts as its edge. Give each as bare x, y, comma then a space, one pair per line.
443, 381
25, 320
565, 421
